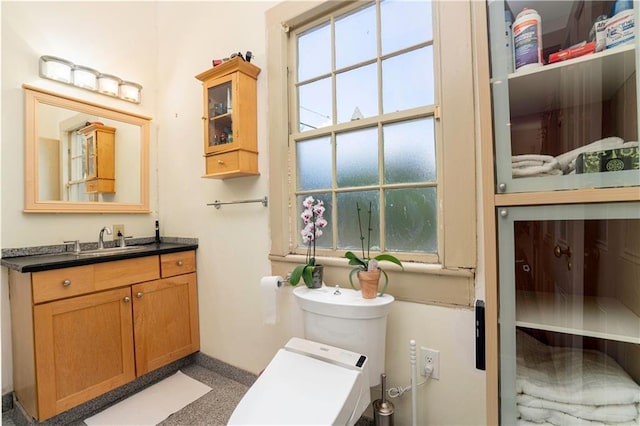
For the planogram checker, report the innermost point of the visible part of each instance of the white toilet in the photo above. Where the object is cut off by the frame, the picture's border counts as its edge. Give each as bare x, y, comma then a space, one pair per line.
325, 378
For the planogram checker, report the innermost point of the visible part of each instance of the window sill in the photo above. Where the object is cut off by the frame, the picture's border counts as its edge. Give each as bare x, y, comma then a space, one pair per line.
418, 282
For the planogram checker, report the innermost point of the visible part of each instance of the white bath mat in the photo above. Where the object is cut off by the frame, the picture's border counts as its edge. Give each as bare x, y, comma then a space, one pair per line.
153, 404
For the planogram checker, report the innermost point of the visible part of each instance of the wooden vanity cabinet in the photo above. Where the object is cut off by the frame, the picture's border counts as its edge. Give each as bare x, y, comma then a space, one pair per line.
82, 331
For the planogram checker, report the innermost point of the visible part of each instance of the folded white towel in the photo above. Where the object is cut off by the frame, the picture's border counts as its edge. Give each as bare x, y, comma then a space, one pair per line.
571, 375
615, 413
538, 415
524, 422
534, 165
548, 169
527, 163
539, 158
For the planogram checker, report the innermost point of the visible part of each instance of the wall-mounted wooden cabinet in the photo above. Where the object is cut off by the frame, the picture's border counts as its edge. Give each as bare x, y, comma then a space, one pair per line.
100, 149
230, 119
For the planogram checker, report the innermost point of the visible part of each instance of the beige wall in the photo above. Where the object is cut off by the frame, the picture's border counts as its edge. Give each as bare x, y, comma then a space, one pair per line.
174, 41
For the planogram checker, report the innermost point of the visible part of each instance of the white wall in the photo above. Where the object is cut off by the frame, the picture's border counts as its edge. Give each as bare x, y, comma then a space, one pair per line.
174, 41
98, 35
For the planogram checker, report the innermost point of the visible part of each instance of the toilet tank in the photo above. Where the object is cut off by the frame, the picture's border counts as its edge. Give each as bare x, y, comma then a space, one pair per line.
342, 317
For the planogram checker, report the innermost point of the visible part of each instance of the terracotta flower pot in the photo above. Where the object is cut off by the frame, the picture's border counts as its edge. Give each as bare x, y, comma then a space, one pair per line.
369, 283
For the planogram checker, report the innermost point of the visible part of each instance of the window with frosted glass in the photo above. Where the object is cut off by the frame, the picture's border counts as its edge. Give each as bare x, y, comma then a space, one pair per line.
366, 93
314, 163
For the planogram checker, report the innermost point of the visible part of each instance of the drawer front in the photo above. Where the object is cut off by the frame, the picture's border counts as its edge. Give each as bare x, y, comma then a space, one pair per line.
125, 272
178, 263
223, 163
61, 283
91, 186
100, 185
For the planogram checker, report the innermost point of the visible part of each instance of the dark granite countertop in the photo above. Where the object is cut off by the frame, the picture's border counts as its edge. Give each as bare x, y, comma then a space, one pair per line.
61, 259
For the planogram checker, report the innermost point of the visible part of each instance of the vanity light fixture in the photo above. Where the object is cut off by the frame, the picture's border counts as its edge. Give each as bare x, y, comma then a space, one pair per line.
56, 69
64, 71
130, 91
108, 84
85, 77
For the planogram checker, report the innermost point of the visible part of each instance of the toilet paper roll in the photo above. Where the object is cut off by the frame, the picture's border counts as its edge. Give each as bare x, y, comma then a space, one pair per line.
268, 287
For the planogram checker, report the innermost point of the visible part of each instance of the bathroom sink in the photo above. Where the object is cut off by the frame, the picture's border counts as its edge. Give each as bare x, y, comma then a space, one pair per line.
110, 251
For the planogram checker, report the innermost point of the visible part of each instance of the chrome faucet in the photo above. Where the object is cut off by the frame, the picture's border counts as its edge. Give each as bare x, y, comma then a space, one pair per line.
101, 237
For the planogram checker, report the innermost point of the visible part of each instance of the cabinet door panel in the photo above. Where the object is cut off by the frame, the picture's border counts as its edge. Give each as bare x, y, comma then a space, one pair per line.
569, 297
571, 124
84, 348
165, 320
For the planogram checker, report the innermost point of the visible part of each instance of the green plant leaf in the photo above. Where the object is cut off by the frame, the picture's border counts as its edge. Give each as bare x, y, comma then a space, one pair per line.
355, 260
354, 271
389, 258
307, 275
294, 279
386, 282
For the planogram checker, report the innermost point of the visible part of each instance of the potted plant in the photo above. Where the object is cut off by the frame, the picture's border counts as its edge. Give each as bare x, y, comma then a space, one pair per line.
366, 267
314, 222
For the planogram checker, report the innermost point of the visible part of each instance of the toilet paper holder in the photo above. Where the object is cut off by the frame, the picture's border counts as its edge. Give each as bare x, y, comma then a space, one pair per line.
284, 280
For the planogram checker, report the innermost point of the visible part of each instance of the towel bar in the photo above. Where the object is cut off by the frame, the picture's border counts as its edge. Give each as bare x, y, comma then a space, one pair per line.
218, 203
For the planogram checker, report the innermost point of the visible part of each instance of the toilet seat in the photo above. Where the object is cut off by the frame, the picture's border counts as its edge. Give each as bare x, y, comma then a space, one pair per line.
307, 383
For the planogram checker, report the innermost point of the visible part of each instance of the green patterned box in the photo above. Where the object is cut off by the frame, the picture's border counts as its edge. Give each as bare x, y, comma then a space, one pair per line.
610, 160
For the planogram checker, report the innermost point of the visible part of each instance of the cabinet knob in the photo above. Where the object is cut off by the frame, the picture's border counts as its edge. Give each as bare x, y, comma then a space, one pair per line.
502, 187
559, 251
504, 212
203, 118
220, 162
139, 295
66, 283
126, 299
179, 263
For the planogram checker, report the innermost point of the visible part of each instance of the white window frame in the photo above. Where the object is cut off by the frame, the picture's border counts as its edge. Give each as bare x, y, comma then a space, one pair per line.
451, 280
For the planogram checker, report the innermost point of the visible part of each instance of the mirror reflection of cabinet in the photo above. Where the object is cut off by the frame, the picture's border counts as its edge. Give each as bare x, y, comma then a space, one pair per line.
230, 119
55, 162
100, 158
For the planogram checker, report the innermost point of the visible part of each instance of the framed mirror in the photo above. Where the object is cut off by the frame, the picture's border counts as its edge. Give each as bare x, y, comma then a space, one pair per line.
82, 157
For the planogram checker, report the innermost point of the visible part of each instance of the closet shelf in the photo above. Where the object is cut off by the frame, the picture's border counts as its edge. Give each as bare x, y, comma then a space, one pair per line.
553, 86
600, 317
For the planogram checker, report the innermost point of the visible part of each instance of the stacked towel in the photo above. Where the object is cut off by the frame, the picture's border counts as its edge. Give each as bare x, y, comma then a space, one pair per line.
534, 165
571, 386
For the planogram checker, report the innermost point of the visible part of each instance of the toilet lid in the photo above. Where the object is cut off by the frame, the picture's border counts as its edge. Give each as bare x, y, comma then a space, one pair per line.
295, 390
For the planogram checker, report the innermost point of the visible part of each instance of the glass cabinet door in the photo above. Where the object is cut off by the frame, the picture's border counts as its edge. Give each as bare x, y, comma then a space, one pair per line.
569, 316
563, 78
219, 98
91, 155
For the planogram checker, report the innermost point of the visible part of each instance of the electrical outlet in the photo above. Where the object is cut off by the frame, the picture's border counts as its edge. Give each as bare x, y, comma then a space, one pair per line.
115, 230
430, 357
